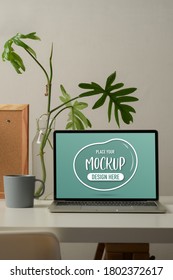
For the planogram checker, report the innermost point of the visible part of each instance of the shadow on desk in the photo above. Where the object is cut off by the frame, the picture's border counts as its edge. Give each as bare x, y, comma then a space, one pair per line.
123, 251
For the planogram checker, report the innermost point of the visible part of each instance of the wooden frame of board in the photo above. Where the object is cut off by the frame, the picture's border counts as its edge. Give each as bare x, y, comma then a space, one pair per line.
14, 131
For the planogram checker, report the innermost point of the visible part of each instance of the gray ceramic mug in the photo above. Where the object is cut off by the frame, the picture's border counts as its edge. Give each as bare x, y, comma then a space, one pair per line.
19, 190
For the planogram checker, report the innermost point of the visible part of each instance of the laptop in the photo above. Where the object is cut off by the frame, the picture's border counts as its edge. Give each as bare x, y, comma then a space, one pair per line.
106, 171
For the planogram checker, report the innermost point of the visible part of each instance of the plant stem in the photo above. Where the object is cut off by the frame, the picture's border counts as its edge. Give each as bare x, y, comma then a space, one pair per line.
37, 193
48, 128
58, 107
53, 119
50, 81
45, 72
72, 111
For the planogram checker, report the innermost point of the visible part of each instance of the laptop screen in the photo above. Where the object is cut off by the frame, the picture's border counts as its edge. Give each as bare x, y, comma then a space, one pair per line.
103, 165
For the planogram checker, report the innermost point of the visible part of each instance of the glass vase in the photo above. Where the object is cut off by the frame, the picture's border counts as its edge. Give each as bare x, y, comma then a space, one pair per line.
42, 155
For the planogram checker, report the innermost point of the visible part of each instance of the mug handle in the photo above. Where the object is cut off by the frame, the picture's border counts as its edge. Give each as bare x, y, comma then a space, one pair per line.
43, 189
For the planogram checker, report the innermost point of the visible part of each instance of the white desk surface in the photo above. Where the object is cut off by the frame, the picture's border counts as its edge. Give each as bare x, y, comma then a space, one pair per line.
84, 227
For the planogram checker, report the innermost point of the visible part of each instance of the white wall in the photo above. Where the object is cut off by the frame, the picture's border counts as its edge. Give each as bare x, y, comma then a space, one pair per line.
91, 40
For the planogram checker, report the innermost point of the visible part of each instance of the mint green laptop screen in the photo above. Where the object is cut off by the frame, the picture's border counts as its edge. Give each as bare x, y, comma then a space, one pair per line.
105, 165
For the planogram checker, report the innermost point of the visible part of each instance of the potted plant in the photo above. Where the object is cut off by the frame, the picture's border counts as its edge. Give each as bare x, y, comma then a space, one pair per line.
118, 97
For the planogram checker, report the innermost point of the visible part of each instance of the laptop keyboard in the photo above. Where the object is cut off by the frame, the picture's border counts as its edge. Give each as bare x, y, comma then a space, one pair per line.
107, 203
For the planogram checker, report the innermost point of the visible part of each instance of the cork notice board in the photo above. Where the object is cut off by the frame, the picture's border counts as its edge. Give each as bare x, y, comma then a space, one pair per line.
14, 123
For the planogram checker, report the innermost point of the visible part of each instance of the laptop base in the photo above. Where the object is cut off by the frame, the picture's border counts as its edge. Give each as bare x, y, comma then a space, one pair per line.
55, 208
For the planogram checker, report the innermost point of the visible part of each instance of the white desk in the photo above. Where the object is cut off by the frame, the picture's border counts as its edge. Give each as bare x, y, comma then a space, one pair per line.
82, 227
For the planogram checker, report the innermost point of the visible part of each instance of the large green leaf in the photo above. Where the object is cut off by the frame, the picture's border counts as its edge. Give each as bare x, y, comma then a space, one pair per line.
80, 105
125, 99
17, 62
19, 43
100, 101
94, 89
117, 96
110, 80
65, 96
31, 35
110, 109
125, 91
116, 86
10, 55
76, 119
126, 113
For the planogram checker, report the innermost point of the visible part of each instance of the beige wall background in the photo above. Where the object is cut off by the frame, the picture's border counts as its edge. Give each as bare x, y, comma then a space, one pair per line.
91, 40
